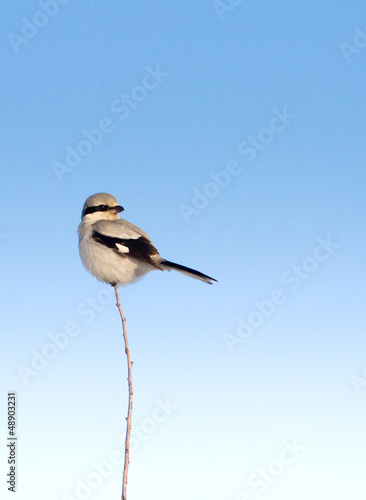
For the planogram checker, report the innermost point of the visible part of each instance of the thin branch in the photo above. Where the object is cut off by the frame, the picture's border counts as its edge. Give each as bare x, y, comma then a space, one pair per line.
130, 391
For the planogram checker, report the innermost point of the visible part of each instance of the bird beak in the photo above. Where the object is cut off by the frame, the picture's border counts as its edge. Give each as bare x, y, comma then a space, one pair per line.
117, 209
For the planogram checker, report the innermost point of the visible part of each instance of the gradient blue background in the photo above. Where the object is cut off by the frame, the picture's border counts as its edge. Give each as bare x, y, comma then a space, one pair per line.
292, 378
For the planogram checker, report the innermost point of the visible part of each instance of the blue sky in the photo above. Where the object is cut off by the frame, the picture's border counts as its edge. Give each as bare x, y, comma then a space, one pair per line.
233, 134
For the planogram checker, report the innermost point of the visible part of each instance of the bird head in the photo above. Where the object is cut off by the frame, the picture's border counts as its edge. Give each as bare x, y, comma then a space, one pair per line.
101, 206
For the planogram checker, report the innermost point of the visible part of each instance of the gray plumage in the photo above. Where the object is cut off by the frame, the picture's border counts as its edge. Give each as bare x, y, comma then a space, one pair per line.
116, 251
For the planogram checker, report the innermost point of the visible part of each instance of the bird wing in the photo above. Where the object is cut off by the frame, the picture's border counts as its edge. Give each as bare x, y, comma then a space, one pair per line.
126, 239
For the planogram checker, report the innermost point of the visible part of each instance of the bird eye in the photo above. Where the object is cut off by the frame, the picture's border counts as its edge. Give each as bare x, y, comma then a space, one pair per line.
103, 208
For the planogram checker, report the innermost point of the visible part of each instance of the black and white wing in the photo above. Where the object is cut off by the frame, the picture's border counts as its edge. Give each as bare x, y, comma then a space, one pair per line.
127, 240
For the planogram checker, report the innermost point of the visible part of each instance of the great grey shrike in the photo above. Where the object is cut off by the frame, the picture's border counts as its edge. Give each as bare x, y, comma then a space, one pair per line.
116, 251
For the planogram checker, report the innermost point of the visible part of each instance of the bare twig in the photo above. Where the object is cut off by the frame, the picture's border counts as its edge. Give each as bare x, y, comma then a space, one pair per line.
130, 391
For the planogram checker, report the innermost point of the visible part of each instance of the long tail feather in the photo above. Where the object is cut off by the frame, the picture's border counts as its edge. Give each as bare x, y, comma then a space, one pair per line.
187, 271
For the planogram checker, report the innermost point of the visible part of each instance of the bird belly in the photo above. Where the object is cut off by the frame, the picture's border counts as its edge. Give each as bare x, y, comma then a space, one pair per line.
110, 267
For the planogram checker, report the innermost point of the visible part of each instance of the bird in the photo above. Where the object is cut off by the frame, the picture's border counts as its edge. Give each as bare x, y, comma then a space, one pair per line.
116, 251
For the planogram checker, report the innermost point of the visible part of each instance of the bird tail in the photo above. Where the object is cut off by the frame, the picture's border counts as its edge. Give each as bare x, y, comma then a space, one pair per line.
167, 265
